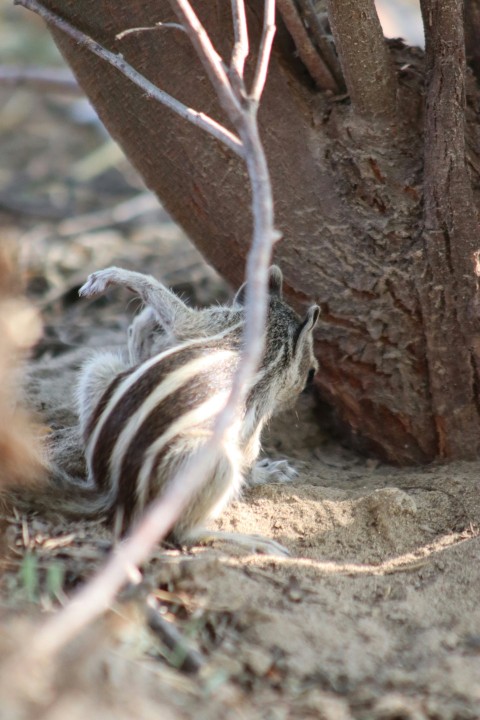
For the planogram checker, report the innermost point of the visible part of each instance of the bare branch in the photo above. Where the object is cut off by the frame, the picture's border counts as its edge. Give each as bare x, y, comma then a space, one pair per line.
317, 25
191, 659
308, 54
157, 26
56, 80
196, 118
264, 235
364, 56
266, 41
240, 32
210, 59
123, 212
92, 599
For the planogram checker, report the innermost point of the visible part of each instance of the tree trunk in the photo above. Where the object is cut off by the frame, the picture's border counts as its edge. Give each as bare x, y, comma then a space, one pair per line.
376, 196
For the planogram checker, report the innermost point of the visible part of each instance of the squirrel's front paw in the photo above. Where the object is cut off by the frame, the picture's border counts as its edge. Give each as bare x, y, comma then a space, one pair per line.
272, 471
98, 282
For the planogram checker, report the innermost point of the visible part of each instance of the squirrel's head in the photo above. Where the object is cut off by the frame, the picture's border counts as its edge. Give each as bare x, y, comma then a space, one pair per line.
289, 363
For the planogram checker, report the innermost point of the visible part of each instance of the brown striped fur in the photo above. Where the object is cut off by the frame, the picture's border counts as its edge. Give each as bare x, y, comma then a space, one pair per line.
127, 469
143, 417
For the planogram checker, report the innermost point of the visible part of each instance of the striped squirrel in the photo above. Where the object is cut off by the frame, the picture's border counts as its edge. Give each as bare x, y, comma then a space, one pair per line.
167, 321
140, 427
143, 416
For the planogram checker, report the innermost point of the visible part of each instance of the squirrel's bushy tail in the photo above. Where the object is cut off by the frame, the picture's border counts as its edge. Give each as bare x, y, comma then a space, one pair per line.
55, 494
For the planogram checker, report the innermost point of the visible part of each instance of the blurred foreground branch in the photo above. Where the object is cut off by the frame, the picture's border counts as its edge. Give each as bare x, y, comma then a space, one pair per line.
55, 80
241, 106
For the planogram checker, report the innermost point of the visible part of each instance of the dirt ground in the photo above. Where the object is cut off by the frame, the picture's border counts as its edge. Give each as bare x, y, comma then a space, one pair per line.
376, 612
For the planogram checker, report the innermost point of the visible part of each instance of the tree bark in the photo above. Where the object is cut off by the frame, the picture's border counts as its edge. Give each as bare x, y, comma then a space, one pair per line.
374, 199
447, 283
364, 55
472, 34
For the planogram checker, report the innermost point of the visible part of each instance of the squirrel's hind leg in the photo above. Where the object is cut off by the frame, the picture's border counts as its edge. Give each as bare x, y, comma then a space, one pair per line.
250, 543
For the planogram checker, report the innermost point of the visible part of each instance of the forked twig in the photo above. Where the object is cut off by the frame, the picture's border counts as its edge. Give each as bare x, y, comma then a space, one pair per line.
199, 119
98, 594
210, 59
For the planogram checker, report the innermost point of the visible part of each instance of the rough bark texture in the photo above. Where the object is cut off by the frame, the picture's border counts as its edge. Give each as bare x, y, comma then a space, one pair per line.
446, 280
472, 34
364, 56
398, 339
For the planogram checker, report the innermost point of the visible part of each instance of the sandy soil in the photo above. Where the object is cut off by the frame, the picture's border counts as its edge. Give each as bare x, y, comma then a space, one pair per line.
374, 615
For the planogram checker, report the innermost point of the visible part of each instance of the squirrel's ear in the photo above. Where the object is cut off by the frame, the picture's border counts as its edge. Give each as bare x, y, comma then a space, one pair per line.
275, 282
306, 326
239, 298
311, 318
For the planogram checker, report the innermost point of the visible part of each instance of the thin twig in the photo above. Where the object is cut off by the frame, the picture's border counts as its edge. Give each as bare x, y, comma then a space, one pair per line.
364, 56
123, 212
240, 32
54, 80
98, 594
317, 23
308, 54
157, 26
196, 118
186, 656
266, 41
210, 59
